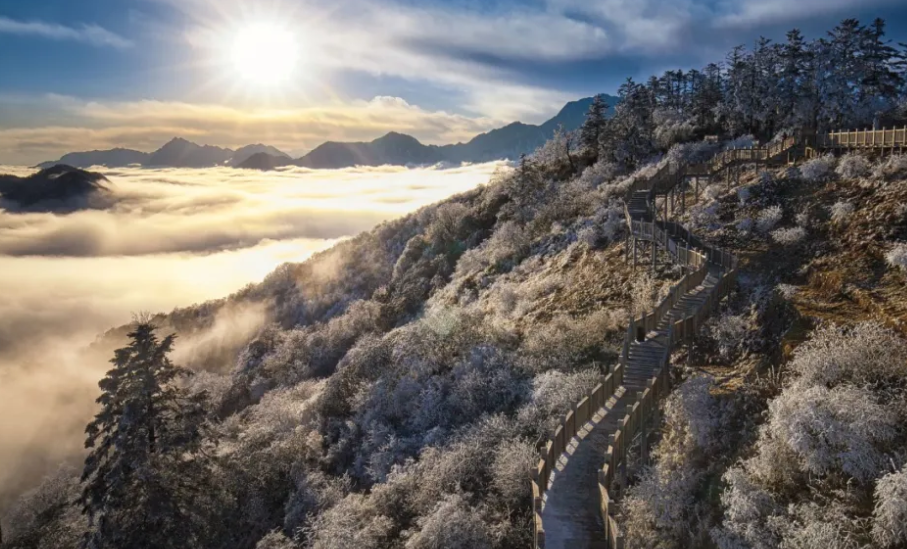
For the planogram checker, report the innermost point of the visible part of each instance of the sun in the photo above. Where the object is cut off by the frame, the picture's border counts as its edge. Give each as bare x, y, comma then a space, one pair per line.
265, 55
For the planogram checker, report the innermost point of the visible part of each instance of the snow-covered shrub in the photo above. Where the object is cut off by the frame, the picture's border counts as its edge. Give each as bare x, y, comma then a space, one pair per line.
889, 525
567, 341
731, 332
746, 508
853, 166
672, 127
865, 353
447, 223
646, 292
694, 417
511, 461
275, 540
897, 256
508, 245
663, 509
803, 219
713, 192
554, 393
818, 169
768, 218
50, 502
892, 168
813, 526
786, 290
840, 211
691, 153
745, 225
454, 524
789, 235
843, 429
598, 174
354, 522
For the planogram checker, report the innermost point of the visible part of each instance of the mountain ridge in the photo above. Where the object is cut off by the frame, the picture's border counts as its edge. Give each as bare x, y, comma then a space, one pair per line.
506, 142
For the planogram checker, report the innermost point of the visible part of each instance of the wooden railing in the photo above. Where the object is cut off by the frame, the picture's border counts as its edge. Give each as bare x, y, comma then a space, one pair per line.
641, 418
557, 445
863, 139
698, 258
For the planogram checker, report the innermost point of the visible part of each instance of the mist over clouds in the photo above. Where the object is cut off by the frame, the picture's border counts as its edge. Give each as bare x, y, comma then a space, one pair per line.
171, 238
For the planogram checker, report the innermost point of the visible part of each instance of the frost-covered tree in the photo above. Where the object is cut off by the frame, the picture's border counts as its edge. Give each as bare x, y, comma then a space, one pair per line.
144, 480
595, 125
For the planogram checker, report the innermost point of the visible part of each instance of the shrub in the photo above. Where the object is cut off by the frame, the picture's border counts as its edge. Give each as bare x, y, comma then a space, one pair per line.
452, 525
746, 507
892, 168
853, 166
897, 256
354, 522
731, 332
768, 218
840, 211
818, 169
842, 429
786, 290
863, 354
889, 525
447, 223
275, 540
671, 127
598, 174
511, 461
691, 153
789, 236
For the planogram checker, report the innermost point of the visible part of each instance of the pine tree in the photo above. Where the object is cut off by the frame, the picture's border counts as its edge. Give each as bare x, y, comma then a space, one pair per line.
595, 124
146, 471
880, 83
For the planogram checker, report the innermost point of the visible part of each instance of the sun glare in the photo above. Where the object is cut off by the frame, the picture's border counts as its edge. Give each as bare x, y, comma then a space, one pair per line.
265, 55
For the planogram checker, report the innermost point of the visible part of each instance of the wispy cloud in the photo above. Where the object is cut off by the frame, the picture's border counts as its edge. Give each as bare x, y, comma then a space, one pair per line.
752, 13
87, 33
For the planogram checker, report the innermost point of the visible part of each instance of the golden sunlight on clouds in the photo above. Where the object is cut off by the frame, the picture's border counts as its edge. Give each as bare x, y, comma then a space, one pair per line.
174, 237
146, 125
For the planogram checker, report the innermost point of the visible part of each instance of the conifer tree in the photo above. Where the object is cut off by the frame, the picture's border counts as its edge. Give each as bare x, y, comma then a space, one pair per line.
145, 473
595, 124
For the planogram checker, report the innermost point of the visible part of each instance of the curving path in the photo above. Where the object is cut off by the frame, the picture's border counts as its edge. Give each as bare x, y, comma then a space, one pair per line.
580, 467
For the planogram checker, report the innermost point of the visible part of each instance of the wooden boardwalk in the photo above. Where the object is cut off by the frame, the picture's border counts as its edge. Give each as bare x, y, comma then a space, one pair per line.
571, 512
584, 467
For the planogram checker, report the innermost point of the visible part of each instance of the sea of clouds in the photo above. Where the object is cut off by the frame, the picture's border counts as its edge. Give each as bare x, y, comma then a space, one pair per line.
171, 238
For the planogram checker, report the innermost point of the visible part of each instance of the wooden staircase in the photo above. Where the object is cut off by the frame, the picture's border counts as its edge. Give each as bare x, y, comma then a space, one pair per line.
584, 467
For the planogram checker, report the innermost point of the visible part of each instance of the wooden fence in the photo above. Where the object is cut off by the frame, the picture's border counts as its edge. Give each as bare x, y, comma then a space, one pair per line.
641, 419
557, 445
863, 139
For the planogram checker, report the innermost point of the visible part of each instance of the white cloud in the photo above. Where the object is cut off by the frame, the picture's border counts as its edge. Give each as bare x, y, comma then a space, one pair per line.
88, 33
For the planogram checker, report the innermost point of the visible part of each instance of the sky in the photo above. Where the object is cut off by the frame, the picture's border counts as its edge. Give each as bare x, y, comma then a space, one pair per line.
94, 74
